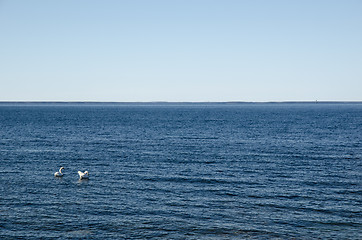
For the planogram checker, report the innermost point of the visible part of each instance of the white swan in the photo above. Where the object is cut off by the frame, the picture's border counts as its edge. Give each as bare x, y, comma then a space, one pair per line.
59, 174
84, 175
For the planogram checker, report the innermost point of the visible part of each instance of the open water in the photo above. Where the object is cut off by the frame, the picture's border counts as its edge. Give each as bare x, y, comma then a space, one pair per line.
181, 171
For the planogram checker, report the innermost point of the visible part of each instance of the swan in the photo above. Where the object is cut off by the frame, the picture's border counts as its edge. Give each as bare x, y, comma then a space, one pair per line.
84, 175
59, 174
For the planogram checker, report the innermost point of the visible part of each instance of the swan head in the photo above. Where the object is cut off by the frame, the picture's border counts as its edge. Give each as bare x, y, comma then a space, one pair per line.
86, 172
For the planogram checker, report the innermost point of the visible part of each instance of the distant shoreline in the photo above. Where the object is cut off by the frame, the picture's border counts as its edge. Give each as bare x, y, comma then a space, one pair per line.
169, 103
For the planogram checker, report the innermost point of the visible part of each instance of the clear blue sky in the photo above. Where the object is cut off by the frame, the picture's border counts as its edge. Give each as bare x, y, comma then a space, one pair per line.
180, 50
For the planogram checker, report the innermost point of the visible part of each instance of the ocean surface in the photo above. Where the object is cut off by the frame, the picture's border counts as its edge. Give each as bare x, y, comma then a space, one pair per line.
181, 171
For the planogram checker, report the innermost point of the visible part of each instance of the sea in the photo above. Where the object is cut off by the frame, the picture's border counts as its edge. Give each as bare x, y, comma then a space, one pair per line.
181, 170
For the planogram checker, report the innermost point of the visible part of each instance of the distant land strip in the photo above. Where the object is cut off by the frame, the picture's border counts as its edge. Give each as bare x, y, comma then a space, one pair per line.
168, 103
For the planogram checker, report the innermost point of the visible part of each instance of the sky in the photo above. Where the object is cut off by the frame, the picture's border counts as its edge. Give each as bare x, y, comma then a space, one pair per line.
181, 50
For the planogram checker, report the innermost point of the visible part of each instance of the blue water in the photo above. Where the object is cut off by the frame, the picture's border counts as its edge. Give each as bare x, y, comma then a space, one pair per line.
181, 171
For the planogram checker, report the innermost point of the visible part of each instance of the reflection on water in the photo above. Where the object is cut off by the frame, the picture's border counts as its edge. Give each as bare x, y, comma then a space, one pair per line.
83, 181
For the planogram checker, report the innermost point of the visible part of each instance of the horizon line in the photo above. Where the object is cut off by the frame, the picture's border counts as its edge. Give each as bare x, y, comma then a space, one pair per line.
172, 102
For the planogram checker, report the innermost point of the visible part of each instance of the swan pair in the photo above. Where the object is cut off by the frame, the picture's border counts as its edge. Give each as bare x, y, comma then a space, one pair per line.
82, 175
